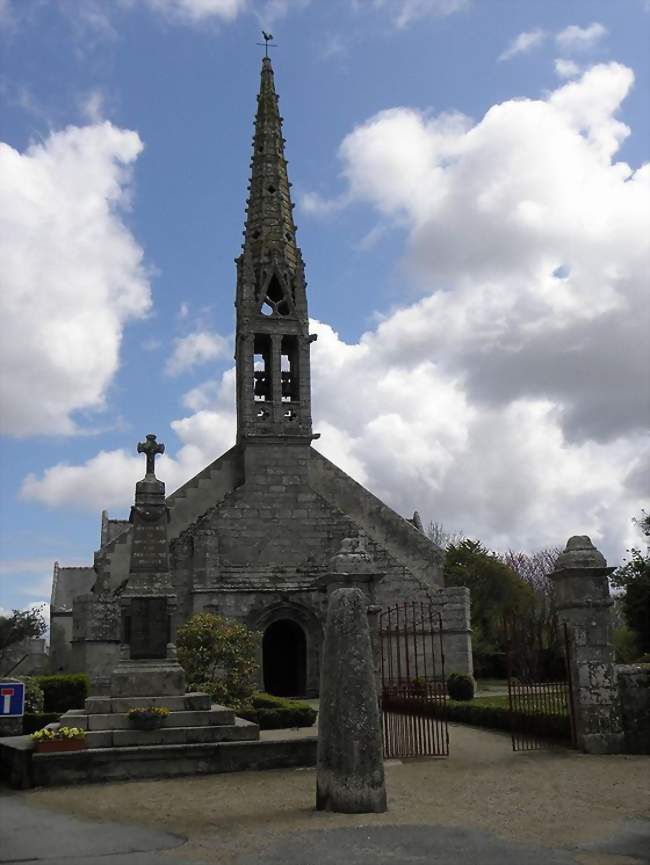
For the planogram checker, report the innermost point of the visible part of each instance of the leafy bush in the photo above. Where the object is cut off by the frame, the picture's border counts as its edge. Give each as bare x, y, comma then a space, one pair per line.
277, 713
626, 645
219, 657
461, 686
34, 696
63, 692
498, 717
490, 665
34, 721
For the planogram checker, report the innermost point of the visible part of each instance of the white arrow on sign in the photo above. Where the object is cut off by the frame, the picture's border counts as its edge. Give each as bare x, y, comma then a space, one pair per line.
7, 694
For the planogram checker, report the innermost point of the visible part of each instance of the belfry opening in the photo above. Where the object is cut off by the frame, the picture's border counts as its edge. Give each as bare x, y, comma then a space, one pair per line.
284, 652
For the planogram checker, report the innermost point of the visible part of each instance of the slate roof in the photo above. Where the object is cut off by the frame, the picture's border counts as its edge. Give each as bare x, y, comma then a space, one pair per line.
67, 583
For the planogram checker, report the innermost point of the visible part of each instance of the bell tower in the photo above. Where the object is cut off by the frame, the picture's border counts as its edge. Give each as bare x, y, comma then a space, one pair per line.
272, 342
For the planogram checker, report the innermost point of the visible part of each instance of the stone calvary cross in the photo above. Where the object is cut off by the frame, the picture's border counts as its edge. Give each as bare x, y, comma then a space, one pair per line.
151, 447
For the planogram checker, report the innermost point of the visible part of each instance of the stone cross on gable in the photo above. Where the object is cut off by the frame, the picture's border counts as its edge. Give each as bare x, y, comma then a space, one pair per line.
151, 447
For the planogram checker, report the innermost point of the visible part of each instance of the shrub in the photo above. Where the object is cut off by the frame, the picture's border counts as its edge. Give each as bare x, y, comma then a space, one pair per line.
34, 696
461, 686
276, 713
490, 665
63, 692
500, 718
219, 657
626, 645
34, 721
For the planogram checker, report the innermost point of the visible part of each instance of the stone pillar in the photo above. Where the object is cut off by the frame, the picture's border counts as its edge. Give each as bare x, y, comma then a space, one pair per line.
350, 768
457, 629
583, 602
353, 567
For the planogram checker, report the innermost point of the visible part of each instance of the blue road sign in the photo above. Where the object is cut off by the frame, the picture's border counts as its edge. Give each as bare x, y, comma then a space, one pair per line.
12, 699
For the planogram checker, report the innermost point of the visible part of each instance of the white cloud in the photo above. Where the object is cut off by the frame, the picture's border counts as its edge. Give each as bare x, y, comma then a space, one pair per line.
201, 11
312, 202
195, 349
506, 399
566, 68
92, 106
108, 479
195, 11
574, 38
405, 12
72, 274
523, 43
7, 20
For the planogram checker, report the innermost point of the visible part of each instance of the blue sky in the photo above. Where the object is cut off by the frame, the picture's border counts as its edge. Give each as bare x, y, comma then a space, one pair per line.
472, 210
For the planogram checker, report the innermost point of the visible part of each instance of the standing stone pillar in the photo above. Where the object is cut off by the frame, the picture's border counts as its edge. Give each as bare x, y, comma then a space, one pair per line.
352, 566
583, 602
350, 768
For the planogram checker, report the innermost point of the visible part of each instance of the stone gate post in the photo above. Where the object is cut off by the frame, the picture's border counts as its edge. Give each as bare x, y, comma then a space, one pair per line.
583, 602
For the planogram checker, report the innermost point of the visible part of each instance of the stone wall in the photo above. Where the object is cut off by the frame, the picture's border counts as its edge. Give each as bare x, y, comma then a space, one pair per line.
634, 695
60, 642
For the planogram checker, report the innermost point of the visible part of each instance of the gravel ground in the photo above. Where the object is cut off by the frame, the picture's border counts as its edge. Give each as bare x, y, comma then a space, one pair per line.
555, 798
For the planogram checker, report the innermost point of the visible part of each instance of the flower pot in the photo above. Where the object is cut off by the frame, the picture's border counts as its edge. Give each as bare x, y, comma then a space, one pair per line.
147, 722
56, 746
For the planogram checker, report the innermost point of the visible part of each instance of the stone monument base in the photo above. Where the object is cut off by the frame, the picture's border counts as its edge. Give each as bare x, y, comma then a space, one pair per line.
163, 677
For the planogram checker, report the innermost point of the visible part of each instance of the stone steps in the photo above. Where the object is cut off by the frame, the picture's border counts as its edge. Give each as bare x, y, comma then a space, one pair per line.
218, 716
186, 702
157, 761
240, 731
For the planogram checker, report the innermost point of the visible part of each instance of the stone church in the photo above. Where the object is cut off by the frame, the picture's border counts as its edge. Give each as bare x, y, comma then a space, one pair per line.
256, 533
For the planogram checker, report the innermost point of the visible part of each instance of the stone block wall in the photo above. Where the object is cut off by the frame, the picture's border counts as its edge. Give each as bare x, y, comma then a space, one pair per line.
634, 695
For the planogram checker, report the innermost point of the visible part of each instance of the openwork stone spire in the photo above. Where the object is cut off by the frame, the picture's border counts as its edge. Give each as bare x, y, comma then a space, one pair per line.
270, 229
272, 351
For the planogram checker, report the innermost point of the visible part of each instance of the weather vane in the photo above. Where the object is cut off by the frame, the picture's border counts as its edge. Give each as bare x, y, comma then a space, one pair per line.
267, 42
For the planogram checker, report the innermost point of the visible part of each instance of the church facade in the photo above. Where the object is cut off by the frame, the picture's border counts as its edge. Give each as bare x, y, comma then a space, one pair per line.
255, 534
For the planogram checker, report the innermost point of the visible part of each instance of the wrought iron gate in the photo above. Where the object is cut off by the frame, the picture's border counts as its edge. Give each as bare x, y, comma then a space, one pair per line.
413, 684
541, 706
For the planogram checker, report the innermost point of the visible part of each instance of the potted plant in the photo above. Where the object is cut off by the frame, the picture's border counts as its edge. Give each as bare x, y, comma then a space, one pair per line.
52, 740
149, 718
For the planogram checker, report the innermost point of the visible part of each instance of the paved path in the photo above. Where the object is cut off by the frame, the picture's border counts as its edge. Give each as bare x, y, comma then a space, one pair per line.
484, 805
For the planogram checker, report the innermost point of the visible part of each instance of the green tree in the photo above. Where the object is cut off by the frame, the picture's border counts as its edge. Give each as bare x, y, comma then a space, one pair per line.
21, 625
497, 592
219, 657
634, 578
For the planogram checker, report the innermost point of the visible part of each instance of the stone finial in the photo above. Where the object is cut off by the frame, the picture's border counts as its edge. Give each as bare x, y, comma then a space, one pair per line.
352, 558
580, 553
151, 448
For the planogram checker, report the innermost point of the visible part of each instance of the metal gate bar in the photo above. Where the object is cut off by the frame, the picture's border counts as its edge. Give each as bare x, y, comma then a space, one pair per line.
540, 710
414, 694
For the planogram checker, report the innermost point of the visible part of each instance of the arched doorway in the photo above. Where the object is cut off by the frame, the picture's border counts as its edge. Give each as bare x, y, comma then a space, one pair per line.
284, 652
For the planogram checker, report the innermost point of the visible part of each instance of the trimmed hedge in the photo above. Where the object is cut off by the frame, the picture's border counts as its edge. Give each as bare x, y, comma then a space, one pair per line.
63, 692
276, 713
460, 686
33, 721
494, 713
499, 717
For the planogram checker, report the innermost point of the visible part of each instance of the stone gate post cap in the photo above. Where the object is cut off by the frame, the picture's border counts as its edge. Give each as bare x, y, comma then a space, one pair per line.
580, 553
